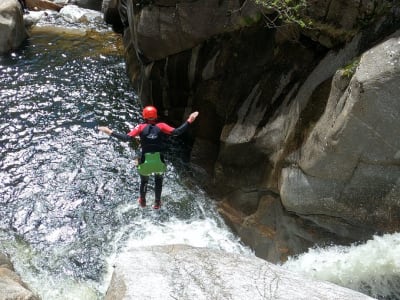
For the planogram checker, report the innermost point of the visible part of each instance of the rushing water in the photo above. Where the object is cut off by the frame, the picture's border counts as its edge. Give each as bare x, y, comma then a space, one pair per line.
68, 193
372, 268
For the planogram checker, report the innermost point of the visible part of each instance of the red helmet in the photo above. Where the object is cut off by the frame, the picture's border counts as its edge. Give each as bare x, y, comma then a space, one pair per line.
150, 112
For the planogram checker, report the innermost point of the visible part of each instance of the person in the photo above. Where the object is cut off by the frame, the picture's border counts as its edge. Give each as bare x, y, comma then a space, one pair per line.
152, 135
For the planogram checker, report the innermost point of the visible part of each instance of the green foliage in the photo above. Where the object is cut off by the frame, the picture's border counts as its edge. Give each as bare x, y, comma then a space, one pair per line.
288, 11
350, 69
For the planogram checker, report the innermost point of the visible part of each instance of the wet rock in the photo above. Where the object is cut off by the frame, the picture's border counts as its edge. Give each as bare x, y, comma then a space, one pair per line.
12, 27
34, 17
184, 272
89, 4
11, 285
42, 5
111, 14
5, 262
75, 14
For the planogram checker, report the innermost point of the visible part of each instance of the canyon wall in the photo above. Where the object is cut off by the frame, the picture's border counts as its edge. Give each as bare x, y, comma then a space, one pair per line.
298, 131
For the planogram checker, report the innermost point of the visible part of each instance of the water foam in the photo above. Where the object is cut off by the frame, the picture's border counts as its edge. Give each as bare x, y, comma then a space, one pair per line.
372, 267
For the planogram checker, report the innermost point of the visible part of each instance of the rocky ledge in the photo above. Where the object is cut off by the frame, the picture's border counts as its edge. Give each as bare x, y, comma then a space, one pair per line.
184, 272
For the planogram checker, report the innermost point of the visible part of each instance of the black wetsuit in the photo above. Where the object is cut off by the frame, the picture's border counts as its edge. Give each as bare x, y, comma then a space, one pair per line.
152, 136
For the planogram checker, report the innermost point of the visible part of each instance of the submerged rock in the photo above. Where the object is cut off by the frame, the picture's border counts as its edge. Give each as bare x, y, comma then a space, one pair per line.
184, 272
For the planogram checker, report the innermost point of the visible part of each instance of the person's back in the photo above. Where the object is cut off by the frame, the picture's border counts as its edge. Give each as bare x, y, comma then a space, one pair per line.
152, 136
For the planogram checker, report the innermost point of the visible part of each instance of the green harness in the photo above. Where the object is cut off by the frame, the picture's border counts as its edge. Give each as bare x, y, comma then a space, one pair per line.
152, 164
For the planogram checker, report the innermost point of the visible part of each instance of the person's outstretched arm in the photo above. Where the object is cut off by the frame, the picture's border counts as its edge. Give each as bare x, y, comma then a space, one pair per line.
120, 136
181, 129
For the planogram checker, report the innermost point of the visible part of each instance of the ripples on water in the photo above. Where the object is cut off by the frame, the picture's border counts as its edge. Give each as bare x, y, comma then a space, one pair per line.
68, 193
60, 180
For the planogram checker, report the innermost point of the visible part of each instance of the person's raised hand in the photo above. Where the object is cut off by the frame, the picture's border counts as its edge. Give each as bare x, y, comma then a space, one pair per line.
193, 116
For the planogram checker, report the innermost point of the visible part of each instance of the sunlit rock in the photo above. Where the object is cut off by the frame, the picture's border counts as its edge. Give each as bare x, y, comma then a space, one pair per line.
184, 272
12, 28
73, 13
34, 17
42, 5
349, 165
81, 19
11, 285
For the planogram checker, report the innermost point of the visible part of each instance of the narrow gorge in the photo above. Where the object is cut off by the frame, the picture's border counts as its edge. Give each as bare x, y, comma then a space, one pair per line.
296, 148
299, 135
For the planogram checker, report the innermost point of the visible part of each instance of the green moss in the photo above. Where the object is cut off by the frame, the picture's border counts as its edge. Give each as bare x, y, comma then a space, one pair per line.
350, 69
288, 11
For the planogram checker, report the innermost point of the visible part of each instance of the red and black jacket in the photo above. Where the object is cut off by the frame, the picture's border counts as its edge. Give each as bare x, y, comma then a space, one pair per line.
152, 135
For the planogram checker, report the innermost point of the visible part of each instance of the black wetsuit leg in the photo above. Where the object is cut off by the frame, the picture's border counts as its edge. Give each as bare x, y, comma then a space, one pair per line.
144, 181
158, 181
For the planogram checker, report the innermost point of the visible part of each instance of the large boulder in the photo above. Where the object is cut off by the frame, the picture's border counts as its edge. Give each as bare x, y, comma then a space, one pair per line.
349, 167
184, 272
12, 27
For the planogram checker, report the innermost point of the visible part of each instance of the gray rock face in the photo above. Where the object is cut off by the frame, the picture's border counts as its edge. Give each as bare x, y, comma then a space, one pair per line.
12, 28
183, 272
168, 27
349, 167
260, 92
